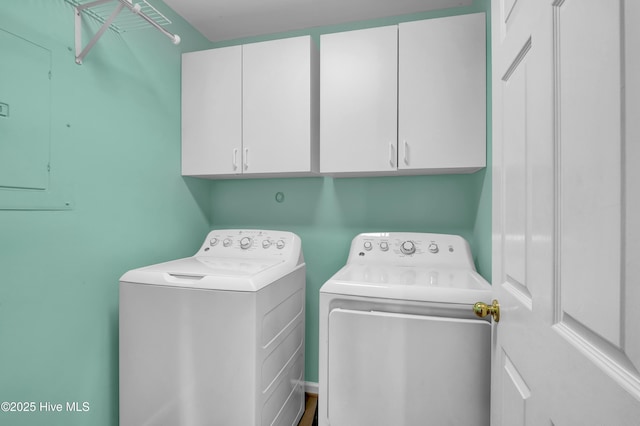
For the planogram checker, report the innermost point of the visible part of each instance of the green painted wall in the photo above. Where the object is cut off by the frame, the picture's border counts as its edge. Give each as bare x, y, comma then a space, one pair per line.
115, 158
327, 213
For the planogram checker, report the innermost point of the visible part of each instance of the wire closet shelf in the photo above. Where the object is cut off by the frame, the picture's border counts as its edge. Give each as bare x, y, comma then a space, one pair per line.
143, 15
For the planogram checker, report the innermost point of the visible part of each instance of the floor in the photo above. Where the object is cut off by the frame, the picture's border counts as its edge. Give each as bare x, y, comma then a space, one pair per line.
310, 416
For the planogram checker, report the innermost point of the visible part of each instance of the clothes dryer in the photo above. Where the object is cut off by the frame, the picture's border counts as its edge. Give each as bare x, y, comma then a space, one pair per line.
399, 343
217, 338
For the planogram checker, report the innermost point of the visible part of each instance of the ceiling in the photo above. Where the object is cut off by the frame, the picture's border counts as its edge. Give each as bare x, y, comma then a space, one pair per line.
220, 20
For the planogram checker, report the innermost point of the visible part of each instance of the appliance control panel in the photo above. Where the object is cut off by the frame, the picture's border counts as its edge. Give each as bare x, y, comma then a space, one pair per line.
250, 243
411, 249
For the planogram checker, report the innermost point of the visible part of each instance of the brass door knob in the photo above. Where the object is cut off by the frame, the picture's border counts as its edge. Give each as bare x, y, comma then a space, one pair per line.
481, 309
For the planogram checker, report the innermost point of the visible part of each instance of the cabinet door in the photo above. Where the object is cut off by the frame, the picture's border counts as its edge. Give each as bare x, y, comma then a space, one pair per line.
358, 101
442, 94
277, 106
212, 111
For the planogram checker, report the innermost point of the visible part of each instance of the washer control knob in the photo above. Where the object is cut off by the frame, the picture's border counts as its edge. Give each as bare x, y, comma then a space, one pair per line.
280, 244
213, 241
245, 243
368, 246
408, 247
266, 244
227, 242
384, 246
433, 248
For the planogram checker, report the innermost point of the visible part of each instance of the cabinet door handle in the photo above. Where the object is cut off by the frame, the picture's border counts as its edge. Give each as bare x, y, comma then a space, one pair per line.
392, 155
235, 159
406, 153
246, 158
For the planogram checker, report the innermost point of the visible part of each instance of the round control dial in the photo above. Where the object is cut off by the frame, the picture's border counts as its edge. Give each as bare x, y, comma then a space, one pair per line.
433, 248
408, 247
368, 246
280, 244
213, 241
384, 246
245, 243
227, 242
266, 244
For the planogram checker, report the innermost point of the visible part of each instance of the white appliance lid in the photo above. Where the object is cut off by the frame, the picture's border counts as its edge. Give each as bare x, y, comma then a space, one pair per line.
208, 266
415, 283
209, 273
230, 260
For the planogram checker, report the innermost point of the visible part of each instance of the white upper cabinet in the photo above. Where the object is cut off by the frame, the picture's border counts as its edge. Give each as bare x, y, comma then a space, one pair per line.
359, 101
279, 105
211, 111
407, 99
251, 110
442, 94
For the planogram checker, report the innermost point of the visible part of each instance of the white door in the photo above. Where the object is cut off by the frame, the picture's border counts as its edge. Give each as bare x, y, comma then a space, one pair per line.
442, 94
359, 100
566, 108
212, 111
277, 105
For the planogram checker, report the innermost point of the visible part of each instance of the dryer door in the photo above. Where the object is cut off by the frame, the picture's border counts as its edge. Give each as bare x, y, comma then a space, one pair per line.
399, 369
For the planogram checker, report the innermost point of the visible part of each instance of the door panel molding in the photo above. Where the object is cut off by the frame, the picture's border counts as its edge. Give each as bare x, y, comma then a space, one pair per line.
519, 292
515, 394
591, 247
589, 216
517, 60
515, 189
631, 155
610, 359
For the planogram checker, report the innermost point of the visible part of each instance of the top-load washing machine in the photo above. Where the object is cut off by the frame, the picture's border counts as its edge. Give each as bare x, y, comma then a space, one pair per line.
399, 342
216, 339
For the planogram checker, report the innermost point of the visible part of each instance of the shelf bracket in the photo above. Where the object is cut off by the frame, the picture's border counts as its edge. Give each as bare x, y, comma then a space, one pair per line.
108, 22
